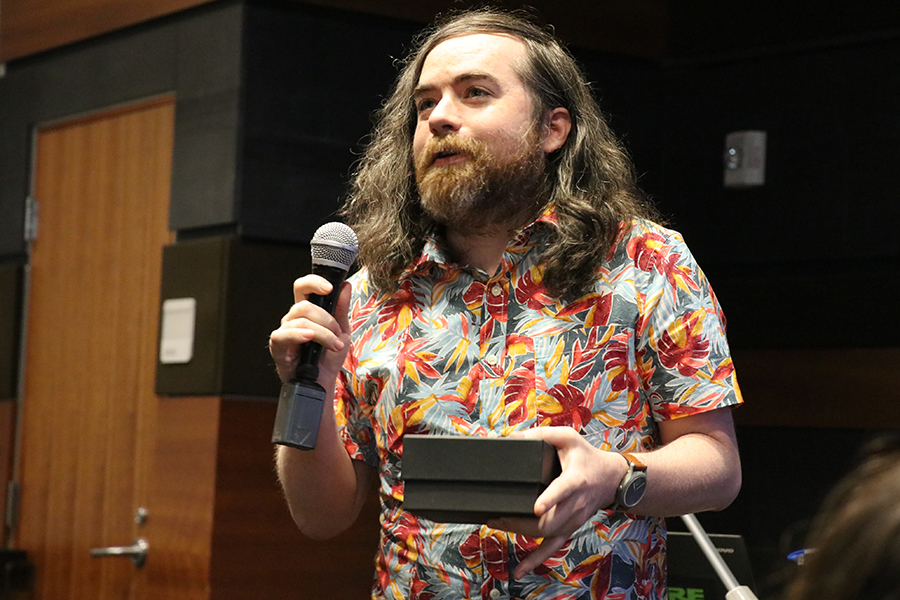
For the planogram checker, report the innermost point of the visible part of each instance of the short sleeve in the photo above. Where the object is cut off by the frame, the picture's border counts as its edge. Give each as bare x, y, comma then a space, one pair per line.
682, 349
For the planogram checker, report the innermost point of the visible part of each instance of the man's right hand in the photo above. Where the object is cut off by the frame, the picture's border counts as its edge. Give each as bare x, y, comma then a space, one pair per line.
324, 488
306, 322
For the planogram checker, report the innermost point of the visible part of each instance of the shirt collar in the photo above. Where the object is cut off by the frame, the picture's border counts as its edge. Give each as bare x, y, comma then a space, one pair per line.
433, 253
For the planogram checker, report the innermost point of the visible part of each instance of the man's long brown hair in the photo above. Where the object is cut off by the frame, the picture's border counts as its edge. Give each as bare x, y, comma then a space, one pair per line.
591, 179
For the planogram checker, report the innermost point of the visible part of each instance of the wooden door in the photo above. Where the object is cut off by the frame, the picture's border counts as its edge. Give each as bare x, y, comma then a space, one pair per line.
90, 415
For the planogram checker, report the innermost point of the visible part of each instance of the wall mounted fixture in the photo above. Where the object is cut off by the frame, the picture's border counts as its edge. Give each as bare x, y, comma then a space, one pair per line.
176, 345
745, 159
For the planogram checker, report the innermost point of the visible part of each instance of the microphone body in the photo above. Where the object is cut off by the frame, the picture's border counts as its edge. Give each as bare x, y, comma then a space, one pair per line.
310, 353
300, 404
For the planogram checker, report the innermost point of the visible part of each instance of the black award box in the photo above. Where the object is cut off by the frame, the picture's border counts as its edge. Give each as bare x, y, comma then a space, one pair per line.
461, 479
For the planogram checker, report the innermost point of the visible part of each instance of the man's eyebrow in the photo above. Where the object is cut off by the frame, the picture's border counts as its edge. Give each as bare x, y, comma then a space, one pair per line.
462, 78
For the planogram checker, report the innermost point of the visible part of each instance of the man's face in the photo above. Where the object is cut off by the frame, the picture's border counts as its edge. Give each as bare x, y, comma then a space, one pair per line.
476, 131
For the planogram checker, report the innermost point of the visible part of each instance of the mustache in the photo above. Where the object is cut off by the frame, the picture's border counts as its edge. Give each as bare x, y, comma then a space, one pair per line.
447, 146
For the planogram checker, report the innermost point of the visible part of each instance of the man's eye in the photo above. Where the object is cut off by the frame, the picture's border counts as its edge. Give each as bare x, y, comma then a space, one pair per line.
424, 104
478, 92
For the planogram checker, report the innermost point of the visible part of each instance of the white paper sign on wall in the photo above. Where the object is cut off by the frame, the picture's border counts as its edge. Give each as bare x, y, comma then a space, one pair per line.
176, 344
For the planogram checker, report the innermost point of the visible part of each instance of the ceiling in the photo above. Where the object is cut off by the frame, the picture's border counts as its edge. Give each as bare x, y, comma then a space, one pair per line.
649, 29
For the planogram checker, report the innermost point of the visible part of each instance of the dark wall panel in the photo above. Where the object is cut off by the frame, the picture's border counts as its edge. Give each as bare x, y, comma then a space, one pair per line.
312, 80
204, 168
89, 77
631, 95
831, 120
193, 54
800, 258
208, 84
819, 304
705, 27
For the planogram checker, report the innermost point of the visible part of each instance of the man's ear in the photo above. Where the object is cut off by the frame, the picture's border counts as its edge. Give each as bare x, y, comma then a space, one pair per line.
557, 124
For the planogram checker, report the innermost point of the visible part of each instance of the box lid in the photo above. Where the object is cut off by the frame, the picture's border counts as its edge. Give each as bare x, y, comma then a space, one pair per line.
465, 458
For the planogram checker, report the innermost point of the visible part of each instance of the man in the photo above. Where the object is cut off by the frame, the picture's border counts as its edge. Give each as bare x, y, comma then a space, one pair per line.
512, 283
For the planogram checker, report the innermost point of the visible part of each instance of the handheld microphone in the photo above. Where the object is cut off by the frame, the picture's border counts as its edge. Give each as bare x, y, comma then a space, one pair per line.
334, 248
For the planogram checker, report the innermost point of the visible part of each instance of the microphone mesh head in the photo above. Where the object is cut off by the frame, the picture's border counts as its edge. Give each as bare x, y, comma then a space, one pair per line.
334, 245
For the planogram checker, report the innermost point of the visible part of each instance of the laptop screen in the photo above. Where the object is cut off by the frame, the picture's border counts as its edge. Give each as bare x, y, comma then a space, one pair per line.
691, 577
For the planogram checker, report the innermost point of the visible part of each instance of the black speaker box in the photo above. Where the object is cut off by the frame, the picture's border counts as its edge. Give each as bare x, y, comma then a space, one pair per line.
242, 289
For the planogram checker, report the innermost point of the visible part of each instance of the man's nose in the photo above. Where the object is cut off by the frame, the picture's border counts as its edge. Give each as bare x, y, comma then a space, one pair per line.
445, 117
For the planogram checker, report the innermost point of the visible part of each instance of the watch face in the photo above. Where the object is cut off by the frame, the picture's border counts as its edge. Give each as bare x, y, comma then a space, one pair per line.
634, 491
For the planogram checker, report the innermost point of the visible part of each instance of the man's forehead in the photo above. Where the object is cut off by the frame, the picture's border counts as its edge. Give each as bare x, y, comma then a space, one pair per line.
497, 50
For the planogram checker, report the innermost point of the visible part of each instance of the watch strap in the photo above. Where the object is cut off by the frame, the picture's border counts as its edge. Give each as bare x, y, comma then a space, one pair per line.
637, 464
634, 464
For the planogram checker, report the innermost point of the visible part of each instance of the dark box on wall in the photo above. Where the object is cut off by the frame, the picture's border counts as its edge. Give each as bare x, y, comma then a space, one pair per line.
241, 288
460, 479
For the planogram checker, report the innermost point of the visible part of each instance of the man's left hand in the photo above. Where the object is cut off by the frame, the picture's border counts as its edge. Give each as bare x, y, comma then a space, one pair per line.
587, 483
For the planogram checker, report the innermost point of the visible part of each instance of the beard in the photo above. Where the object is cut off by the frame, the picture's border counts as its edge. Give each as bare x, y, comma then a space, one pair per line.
483, 193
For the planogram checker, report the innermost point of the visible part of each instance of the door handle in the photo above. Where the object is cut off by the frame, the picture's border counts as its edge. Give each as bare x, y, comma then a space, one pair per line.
137, 552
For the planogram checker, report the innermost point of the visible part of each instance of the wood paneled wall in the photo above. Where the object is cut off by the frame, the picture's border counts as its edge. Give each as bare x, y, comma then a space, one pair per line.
257, 550
180, 500
32, 26
825, 388
219, 526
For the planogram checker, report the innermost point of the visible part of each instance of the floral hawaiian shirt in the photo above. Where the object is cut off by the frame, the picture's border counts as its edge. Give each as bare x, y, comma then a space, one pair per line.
457, 351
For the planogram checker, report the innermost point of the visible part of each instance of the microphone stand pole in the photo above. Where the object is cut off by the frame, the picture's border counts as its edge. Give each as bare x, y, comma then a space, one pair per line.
735, 591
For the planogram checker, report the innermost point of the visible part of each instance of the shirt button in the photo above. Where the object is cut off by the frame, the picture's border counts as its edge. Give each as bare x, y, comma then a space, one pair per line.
495, 593
491, 360
496, 289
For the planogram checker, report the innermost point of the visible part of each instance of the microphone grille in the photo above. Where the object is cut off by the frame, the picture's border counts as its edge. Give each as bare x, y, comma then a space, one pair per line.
334, 245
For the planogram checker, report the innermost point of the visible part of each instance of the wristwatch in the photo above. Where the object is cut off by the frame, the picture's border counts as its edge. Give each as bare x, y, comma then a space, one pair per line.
633, 485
